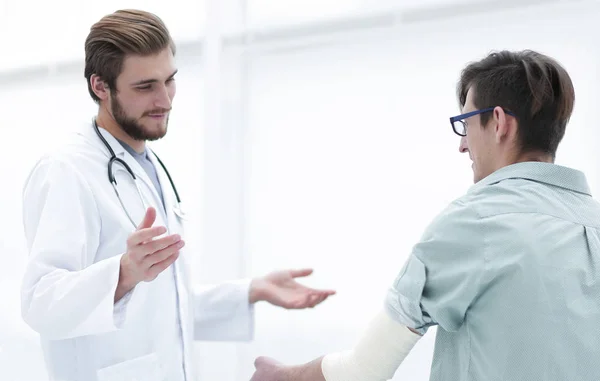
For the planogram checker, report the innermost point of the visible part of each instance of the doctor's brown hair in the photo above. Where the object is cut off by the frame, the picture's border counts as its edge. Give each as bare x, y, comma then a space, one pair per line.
536, 88
122, 33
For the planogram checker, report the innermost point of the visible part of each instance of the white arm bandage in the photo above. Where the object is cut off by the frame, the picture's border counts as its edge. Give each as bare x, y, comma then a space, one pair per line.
377, 355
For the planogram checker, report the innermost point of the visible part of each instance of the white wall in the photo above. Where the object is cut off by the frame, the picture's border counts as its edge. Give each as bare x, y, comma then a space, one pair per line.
351, 155
38, 32
333, 155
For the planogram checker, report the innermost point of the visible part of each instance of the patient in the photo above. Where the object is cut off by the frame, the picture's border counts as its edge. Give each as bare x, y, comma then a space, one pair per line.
509, 271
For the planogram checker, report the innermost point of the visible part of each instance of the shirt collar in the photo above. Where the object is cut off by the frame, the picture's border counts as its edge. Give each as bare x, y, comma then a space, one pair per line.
547, 173
132, 152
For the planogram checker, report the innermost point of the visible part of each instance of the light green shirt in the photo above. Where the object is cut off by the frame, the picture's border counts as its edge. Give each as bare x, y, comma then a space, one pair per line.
510, 274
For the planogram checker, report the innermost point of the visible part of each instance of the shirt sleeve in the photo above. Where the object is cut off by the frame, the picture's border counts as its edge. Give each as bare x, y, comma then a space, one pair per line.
222, 312
442, 275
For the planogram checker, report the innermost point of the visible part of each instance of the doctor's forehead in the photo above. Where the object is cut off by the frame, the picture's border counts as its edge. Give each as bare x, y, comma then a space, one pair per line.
159, 67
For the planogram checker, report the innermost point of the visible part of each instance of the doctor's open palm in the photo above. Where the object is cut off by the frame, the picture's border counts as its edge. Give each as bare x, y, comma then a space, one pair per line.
146, 257
280, 288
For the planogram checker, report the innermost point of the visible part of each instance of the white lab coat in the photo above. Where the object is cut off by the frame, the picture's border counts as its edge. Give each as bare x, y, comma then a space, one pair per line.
76, 232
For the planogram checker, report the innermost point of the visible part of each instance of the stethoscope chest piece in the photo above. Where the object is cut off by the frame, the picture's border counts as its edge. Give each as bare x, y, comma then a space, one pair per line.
180, 211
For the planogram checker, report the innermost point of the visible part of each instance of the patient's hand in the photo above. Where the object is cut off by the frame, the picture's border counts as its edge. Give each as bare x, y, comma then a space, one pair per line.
268, 369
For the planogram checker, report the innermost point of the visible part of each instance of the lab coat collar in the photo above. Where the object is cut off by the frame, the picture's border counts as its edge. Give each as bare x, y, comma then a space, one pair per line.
89, 133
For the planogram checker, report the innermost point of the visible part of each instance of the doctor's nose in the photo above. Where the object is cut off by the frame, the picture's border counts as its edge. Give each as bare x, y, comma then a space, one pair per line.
163, 98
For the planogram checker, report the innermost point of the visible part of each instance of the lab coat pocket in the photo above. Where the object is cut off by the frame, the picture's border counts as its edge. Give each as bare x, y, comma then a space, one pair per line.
143, 368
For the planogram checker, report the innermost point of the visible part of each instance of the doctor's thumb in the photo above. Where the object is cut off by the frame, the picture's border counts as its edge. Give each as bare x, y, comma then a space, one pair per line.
149, 219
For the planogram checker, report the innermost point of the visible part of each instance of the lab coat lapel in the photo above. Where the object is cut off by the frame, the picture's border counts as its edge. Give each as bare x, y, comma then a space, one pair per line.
168, 195
174, 222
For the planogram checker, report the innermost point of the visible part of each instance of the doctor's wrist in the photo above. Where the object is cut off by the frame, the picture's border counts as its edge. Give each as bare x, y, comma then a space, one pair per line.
125, 283
257, 290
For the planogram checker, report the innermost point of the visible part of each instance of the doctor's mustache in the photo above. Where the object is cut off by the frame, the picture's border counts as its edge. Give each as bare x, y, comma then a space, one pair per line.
157, 111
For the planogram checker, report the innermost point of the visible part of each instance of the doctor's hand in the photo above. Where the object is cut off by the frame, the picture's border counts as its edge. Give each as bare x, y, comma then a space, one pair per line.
281, 289
146, 257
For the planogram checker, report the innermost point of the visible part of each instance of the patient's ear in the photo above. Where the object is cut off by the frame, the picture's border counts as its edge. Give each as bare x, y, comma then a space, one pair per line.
505, 126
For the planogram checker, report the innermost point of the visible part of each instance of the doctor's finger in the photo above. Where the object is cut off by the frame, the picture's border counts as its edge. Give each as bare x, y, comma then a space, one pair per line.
163, 254
300, 273
313, 300
161, 266
153, 246
144, 235
319, 299
149, 218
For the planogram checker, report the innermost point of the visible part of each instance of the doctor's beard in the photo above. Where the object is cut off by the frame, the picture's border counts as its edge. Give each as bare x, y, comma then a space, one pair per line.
131, 125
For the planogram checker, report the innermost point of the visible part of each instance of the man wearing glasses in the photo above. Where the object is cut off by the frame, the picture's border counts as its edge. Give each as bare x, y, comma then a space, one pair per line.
509, 272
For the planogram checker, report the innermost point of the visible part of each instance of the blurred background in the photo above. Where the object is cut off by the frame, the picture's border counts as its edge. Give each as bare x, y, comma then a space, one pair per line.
304, 133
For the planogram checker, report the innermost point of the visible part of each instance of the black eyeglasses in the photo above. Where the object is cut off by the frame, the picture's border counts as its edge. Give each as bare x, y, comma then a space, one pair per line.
460, 126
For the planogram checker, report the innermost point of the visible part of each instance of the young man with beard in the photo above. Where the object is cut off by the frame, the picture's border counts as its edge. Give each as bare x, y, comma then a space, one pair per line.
107, 286
509, 272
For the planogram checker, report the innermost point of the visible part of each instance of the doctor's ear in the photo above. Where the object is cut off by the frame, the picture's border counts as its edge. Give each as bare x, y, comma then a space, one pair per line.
100, 87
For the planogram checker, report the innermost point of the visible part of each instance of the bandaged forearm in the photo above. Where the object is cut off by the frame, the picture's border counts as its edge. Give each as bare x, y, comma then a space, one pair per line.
377, 355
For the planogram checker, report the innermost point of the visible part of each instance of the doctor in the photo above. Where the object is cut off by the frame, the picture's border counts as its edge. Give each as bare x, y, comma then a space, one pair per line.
106, 285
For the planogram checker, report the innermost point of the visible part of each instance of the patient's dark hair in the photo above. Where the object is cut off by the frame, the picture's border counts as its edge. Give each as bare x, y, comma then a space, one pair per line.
535, 87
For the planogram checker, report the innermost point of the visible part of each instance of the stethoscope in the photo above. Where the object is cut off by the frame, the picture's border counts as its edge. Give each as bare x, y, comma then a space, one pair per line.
111, 177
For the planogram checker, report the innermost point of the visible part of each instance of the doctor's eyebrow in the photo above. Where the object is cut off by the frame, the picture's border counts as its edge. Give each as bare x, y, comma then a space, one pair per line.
148, 81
